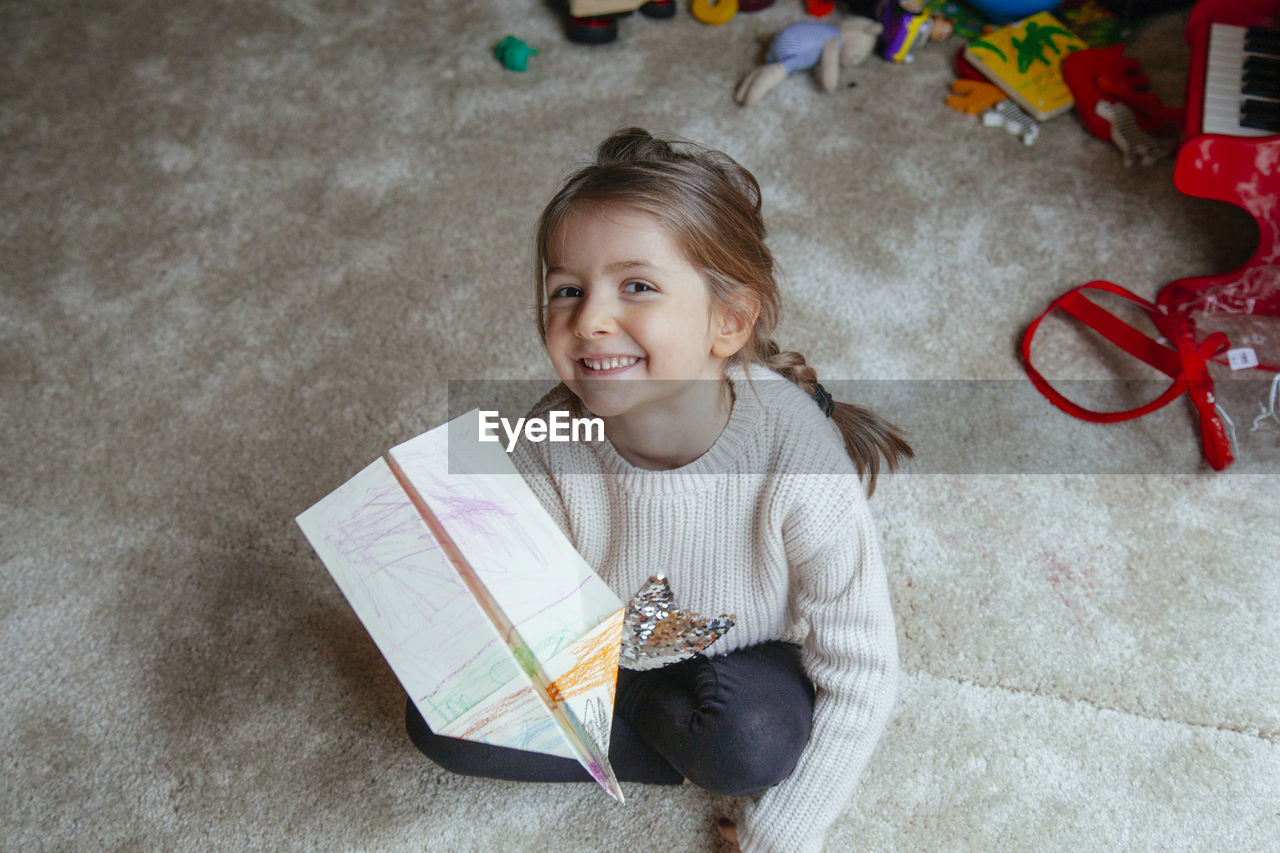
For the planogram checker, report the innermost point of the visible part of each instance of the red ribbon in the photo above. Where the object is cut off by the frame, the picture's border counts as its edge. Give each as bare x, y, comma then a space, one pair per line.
1186, 362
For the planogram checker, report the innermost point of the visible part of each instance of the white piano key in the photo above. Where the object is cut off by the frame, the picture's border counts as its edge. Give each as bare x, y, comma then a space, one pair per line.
1224, 82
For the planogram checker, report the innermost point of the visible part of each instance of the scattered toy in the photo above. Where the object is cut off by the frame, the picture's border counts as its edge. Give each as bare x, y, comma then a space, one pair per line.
714, 12
1004, 11
1024, 59
1096, 25
1106, 74
965, 22
592, 29
965, 69
808, 45
972, 97
596, 21
906, 25
1134, 143
1014, 119
514, 53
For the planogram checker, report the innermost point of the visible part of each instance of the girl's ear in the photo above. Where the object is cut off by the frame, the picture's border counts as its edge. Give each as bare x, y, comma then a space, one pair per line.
732, 329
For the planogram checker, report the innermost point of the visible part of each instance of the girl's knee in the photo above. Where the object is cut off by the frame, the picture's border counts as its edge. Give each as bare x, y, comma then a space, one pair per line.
748, 751
743, 774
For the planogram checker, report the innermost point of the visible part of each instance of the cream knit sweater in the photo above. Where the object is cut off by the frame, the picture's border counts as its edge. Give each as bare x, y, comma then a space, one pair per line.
771, 525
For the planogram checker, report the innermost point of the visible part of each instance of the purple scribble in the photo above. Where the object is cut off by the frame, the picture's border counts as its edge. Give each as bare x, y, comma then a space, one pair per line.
393, 552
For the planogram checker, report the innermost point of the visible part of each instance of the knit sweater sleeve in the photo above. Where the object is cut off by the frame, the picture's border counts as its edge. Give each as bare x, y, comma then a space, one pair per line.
850, 655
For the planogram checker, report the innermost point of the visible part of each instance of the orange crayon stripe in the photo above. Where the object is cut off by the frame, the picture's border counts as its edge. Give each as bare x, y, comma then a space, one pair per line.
597, 663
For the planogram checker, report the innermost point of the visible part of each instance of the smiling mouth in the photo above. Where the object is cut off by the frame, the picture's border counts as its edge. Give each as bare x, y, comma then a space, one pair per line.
605, 365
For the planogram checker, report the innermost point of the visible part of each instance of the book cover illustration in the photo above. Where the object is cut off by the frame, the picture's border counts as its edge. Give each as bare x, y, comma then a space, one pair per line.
1024, 59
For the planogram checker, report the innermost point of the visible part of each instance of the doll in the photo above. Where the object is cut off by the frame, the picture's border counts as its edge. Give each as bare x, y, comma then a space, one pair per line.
810, 44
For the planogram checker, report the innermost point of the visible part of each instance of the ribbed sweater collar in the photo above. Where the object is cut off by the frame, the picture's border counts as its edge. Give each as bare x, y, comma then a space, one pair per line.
731, 453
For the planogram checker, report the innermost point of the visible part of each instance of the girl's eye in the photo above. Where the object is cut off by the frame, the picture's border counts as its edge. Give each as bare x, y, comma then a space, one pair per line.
637, 287
566, 292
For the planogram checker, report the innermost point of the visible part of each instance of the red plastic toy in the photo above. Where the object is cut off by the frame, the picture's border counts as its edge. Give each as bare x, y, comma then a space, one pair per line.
1106, 74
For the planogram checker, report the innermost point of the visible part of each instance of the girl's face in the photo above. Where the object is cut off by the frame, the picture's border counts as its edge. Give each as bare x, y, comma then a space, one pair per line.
623, 303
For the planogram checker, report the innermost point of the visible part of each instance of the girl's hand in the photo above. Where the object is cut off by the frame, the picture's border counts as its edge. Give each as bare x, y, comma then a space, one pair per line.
729, 831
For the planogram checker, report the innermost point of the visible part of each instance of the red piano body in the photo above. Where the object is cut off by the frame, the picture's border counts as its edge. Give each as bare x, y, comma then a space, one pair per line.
1241, 170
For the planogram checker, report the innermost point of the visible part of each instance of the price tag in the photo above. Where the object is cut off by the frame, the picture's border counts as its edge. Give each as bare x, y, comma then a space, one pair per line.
1242, 357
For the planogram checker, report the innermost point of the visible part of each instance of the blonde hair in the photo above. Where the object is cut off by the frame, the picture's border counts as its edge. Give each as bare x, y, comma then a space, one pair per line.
711, 207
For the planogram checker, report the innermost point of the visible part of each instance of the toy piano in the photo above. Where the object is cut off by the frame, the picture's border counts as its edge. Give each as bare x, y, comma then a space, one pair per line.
1231, 151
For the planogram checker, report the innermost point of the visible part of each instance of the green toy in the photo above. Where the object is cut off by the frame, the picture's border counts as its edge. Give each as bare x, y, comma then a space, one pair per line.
514, 54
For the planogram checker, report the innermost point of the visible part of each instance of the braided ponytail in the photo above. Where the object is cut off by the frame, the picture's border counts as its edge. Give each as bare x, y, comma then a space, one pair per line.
867, 436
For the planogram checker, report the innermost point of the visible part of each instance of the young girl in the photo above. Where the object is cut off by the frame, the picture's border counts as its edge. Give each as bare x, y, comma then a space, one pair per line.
656, 302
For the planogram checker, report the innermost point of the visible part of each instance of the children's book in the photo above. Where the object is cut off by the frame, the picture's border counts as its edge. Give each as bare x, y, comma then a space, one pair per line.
495, 625
1024, 59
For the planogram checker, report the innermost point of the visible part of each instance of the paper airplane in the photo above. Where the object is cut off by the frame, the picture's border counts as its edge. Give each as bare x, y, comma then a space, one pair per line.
497, 628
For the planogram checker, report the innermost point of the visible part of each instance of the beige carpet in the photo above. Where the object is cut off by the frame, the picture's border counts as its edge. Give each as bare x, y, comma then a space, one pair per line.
245, 246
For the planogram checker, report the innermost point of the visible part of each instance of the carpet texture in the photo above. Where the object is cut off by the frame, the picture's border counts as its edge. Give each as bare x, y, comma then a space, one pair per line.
244, 247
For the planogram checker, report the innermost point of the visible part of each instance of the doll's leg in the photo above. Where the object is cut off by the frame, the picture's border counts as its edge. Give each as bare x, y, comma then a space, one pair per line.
631, 758
829, 65
759, 82
734, 724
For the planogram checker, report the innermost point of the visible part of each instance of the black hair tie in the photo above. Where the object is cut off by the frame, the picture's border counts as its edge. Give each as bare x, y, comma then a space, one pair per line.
824, 400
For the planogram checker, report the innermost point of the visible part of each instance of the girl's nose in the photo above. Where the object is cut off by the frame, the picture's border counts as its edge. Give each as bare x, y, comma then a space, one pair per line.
595, 317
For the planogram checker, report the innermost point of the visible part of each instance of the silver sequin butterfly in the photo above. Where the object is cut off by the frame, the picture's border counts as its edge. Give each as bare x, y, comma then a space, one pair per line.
656, 633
